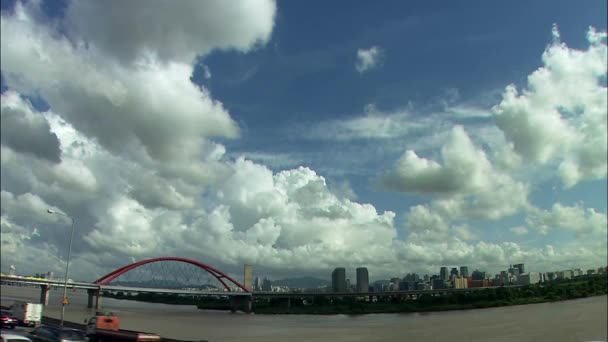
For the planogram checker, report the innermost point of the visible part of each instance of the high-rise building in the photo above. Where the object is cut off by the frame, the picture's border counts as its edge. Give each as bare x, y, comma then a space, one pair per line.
379, 286
464, 271
362, 279
248, 277
443, 273
454, 272
521, 268
460, 283
514, 271
257, 284
478, 275
528, 278
266, 285
338, 279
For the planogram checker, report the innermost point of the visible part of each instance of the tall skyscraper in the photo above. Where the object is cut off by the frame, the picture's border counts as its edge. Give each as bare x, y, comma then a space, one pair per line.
521, 268
362, 280
257, 284
464, 271
454, 272
266, 285
478, 275
338, 279
248, 277
443, 273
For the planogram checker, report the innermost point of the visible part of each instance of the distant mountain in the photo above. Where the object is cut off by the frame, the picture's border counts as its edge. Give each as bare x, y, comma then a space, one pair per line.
302, 282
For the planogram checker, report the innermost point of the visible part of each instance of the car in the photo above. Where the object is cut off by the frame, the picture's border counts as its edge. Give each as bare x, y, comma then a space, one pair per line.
57, 334
7, 320
13, 338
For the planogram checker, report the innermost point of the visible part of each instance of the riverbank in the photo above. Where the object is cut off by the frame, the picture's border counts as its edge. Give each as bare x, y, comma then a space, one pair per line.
582, 287
486, 298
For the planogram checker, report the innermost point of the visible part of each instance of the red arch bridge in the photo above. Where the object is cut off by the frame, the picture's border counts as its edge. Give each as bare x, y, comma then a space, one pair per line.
172, 275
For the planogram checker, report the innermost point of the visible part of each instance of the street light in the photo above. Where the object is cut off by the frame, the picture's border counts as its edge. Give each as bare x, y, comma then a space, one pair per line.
67, 265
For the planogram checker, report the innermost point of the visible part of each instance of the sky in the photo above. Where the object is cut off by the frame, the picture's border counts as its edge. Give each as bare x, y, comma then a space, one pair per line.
299, 137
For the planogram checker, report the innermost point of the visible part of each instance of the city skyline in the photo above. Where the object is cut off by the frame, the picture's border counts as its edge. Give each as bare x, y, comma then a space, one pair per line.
299, 137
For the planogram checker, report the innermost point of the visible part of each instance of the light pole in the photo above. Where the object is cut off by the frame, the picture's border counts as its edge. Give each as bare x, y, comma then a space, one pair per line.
67, 265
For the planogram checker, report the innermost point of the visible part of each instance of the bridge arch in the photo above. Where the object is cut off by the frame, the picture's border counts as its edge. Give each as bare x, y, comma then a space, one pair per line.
219, 275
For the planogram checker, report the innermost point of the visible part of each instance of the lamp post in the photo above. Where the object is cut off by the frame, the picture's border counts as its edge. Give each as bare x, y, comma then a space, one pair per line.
67, 265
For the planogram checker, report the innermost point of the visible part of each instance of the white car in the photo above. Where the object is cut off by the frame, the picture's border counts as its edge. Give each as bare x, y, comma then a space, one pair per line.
13, 338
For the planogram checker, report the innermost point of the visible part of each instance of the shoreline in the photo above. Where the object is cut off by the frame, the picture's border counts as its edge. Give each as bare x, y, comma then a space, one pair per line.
327, 305
422, 310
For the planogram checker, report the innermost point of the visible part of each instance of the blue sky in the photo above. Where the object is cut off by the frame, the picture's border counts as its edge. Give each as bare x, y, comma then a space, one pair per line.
399, 106
305, 75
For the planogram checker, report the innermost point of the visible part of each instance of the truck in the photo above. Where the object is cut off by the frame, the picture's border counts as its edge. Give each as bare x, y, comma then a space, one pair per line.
28, 314
105, 327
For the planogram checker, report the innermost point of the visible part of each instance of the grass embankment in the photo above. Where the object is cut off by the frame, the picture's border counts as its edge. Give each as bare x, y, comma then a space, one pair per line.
580, 287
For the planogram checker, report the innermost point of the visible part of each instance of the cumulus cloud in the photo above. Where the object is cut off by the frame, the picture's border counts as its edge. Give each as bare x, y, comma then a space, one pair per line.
465, 169
25, 130
582, 221
368, 59
170, 32
471, 187
154, 107
140, 173
561, 116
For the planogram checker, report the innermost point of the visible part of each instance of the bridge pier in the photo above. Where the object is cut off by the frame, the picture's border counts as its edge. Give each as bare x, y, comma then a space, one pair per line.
240, 302
94, 293
44, 294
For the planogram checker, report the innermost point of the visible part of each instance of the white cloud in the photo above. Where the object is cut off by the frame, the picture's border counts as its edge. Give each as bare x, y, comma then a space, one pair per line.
465, 169
368, 59
562, 116
582, 221
519, 230
426, 225
206, 72
152, 105
25, 130
170, 32
373, 124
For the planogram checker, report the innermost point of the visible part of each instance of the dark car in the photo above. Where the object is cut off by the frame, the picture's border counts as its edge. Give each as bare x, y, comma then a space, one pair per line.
56, 334
7, 320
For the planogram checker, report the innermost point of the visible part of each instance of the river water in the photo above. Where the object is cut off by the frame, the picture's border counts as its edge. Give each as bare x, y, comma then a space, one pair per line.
574, 320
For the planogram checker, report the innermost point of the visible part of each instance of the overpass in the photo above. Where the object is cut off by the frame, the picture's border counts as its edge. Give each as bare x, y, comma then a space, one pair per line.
237, 292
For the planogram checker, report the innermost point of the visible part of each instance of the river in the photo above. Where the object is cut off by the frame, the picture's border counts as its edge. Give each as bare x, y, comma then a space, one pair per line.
574, 320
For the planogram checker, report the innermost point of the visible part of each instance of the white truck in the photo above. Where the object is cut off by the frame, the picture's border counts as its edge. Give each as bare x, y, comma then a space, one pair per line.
29, 314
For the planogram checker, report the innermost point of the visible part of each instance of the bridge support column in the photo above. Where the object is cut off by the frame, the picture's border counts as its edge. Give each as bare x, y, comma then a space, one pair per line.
44, 294
94, 293
242, 303
288, 304
90, 294
97, 295
98, 300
